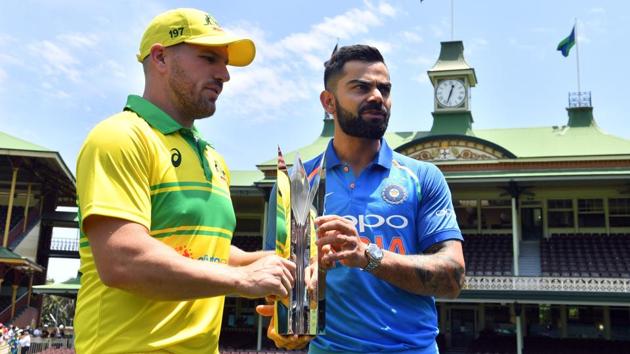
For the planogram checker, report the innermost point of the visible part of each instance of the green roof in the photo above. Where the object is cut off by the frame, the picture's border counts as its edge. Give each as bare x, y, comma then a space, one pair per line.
564, 141
581, 138
539, 142
44, 167
10, 257
7, 254
306, 152
12, 143
242, 178
68, 287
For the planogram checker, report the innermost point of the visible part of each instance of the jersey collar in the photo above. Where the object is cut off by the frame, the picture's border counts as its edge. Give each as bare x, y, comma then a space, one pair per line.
383, 158
156, 117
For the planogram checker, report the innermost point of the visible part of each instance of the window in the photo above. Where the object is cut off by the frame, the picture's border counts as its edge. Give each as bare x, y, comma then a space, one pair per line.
619, 212
466, 211
496, 214
591, 213
560, 212
585, 321
542, 320
499, 320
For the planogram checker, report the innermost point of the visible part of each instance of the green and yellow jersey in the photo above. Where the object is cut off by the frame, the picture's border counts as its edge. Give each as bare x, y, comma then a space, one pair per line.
141, 165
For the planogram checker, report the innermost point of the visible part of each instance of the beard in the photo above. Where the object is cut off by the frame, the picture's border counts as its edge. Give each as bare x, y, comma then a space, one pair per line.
359, 127
189, 102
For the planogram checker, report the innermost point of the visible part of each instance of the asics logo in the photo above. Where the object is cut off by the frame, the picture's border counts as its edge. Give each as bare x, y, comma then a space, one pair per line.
176, 157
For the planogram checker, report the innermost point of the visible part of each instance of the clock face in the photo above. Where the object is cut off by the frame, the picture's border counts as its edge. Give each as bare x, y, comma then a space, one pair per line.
450, 93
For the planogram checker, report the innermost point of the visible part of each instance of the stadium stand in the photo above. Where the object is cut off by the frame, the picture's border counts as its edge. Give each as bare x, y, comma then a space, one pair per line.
488, 254
586, 255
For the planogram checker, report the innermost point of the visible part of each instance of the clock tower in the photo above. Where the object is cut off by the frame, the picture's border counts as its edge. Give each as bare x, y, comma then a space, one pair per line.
452, 79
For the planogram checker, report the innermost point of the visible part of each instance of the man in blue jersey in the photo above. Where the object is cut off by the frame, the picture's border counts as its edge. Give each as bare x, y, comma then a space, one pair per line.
389, 224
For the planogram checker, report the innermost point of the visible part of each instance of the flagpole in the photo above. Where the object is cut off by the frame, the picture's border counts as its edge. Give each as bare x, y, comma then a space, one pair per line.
452, 21
577, 56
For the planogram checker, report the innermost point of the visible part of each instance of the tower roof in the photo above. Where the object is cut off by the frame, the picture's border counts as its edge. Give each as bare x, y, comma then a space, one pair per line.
451, 62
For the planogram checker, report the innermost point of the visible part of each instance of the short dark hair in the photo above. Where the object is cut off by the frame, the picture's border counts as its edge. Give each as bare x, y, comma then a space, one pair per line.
361, 52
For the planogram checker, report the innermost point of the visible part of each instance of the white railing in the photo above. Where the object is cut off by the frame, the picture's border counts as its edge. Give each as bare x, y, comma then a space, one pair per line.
597, 285
41, 344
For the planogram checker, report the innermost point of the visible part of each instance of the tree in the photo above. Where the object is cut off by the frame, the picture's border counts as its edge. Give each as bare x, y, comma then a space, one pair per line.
58, 310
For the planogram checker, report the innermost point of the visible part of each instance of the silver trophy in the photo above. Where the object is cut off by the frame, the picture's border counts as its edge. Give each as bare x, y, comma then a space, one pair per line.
300, 198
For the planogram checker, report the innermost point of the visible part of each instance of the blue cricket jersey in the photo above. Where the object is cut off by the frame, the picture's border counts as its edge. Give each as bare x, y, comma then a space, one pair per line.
403, 205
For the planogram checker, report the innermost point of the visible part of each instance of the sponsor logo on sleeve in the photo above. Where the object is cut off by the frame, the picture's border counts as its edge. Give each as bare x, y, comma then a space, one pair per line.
445, 212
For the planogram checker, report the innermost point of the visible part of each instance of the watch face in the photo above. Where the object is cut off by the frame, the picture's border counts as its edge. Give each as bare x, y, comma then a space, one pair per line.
375, 251
450, 93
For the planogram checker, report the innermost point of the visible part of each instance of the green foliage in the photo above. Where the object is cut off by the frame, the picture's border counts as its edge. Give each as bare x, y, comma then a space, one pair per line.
58, 308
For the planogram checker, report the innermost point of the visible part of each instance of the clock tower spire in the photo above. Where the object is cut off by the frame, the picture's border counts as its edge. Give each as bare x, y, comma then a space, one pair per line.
452, 79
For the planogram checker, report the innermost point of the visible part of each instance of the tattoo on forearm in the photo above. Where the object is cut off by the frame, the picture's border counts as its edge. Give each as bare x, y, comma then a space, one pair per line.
426, 276
458, 274
434, 249
443, 274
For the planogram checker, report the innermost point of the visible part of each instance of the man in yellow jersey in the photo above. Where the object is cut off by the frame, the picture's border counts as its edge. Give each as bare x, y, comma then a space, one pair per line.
155, 208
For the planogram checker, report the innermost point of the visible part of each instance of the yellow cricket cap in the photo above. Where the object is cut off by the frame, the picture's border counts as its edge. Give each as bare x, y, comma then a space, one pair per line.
195, 27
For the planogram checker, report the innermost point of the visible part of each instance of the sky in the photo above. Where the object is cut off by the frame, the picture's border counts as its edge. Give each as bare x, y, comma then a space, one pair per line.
66, 65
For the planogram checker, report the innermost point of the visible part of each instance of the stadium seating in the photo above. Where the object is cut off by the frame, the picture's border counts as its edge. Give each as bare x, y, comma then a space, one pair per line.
488, 254
586, 255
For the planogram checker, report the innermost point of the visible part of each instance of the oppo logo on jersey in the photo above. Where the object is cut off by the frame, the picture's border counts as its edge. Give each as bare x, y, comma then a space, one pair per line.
375, 220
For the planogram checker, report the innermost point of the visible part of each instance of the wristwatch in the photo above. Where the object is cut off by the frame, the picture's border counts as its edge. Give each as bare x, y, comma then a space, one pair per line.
374, 255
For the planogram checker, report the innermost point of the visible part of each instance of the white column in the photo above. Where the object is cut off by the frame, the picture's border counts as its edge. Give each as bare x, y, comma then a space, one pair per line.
515, 237
479, 216
515, 310
606, 216
575, 216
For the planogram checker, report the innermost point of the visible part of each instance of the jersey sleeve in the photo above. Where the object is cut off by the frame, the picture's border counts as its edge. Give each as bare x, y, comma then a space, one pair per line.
113, 173
436, 220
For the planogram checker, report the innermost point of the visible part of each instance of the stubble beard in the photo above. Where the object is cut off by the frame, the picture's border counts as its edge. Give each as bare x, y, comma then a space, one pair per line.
190, 104
357, 126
